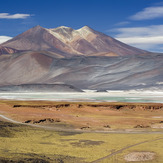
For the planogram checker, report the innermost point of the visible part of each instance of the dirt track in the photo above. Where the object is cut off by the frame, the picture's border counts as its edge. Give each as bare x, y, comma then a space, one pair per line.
133, 131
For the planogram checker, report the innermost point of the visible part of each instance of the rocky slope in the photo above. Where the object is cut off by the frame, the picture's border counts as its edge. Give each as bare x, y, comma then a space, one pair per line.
7, 50
92, 72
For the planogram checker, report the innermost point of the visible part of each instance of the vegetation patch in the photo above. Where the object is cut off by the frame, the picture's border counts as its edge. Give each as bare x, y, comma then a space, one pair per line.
32, 158
67, 159
107, 126
86, 143
7, 128
25, 158
67, 133
36, 158
45, 120
142, 126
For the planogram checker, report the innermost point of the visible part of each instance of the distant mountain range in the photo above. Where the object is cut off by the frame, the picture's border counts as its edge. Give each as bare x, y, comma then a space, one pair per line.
83, 58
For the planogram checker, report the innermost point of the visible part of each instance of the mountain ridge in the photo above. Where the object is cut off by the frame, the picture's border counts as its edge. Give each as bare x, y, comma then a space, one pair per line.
69, 42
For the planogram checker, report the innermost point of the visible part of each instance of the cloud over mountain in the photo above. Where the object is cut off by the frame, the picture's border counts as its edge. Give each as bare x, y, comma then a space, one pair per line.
4, 39
149, 37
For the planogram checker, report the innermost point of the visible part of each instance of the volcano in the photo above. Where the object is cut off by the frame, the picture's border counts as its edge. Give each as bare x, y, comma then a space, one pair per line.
78, 59
68, 42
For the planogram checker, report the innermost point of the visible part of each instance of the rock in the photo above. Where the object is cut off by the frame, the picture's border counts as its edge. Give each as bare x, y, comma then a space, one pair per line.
28, 121
46, 120
57, 120
85, 127
107, 126
141, 126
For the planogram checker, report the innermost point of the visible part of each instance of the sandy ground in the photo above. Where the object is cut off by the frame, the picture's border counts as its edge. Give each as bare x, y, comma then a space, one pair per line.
85, 116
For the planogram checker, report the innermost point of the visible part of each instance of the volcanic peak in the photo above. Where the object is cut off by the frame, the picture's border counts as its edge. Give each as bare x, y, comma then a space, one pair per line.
65, 40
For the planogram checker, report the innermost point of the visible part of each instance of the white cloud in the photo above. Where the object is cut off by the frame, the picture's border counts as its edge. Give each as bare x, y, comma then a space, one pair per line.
143, 40
146, 43
14, 16
153, 30
148, 38
149, 13
4, 39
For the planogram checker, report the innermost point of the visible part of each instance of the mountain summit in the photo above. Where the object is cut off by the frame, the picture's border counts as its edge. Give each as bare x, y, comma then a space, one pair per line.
67, 42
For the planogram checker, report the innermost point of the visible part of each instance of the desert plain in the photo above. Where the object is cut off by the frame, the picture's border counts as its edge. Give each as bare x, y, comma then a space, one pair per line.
48, 131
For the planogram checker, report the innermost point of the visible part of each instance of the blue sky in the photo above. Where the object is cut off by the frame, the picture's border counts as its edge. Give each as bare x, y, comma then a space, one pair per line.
135, 22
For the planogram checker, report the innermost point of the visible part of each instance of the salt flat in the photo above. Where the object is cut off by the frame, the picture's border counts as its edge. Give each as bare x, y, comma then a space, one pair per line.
110, 96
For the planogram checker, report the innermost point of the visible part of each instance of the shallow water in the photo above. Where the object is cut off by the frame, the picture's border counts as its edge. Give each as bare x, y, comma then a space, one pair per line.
154, 97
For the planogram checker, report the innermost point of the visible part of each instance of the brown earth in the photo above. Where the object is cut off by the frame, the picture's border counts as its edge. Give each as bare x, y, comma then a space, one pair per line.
82, 115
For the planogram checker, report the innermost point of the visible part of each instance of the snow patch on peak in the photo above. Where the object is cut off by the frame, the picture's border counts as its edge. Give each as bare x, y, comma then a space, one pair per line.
65, 34
85, 31
68, 35
86, 28
62, 28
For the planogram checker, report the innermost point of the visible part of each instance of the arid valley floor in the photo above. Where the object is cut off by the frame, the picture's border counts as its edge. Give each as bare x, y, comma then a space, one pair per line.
43, 131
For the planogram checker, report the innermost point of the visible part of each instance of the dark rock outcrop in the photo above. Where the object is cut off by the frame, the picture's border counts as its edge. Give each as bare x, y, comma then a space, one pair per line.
39, 88
46, 120
8, 50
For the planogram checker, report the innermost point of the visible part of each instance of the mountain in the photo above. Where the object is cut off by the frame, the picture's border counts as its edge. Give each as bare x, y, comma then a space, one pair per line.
66, 59
68, 42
